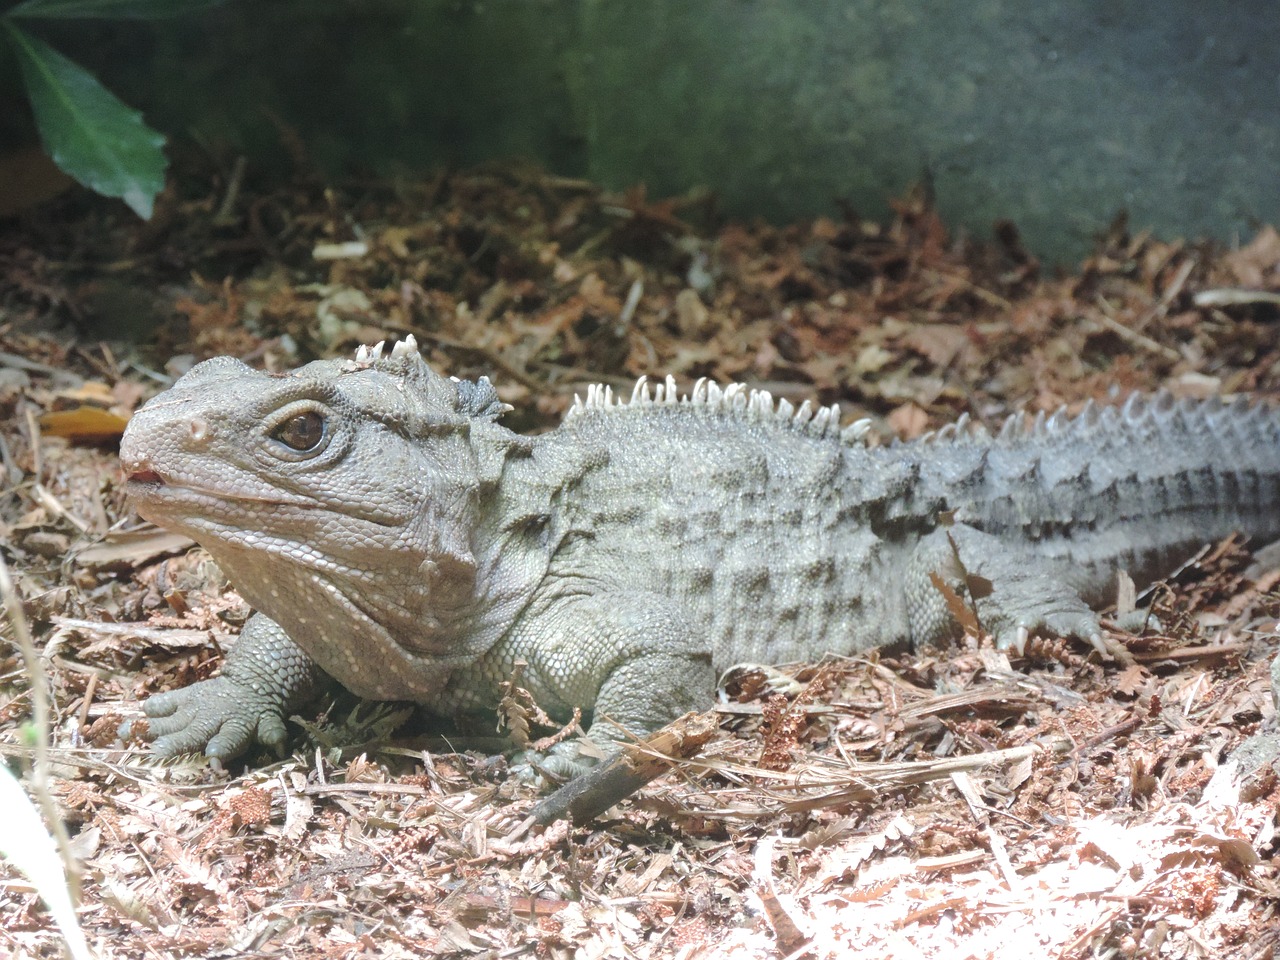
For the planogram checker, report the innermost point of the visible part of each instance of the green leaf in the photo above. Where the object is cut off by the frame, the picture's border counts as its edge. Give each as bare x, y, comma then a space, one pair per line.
110, 9
88, 132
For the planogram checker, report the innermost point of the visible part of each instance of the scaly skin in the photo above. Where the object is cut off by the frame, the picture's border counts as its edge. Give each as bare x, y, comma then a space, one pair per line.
412, 548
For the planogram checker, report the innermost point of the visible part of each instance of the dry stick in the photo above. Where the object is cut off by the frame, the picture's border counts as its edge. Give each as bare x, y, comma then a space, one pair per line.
40, 716
1105, 319
226, 210
39, 493
590, 794
1166, 299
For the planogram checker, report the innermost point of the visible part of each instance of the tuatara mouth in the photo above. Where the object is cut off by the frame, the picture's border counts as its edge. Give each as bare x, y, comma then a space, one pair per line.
149, 477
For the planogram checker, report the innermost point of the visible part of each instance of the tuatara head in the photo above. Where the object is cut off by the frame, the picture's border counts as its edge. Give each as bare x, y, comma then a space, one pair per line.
342, 491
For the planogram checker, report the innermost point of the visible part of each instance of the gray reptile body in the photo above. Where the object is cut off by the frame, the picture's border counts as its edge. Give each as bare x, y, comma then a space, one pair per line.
420, 548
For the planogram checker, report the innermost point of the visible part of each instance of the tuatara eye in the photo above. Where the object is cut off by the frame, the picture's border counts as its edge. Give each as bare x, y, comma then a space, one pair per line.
301, 433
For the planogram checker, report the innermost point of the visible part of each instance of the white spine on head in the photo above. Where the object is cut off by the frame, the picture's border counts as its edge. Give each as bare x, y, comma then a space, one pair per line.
407, 347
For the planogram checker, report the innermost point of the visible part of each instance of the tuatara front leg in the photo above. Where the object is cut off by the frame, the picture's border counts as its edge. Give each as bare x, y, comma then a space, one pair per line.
633, 659
265, 678
1028, 594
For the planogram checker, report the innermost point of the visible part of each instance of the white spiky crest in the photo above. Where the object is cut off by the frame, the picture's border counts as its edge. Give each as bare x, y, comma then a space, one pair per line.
735, 398
1138, 411
402, 348
471, 399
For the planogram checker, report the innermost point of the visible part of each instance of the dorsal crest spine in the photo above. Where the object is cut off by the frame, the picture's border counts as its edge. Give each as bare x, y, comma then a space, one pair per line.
472, 399
734, 399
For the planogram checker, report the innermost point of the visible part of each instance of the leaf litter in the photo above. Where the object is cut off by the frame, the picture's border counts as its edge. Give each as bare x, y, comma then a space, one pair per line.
934, 804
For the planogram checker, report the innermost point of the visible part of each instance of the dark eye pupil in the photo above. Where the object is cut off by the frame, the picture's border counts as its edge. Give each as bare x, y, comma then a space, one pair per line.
302, 433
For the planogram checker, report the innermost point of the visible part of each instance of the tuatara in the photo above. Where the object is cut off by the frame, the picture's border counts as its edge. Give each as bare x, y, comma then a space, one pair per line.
395, 536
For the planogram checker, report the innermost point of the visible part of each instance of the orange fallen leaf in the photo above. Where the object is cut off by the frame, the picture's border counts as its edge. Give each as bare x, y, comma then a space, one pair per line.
84, 424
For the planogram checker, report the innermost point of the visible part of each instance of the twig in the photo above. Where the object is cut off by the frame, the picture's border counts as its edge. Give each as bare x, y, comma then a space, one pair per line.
1234, 297
1171, 292
40, 717
590, 794
865, 782
33, 437
225, 216
1105, 319
175, 637
633, 301
88, 759
982, 293
39, 492
496, 359
1187, 654
16, 362
1111, 733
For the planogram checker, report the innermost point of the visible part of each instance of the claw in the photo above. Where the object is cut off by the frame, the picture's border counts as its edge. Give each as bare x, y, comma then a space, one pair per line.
1112, 650
1020, 638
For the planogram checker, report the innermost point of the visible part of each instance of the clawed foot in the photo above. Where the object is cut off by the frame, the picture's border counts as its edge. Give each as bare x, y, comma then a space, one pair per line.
563, 762
1074, 625
1077, 626
220, 717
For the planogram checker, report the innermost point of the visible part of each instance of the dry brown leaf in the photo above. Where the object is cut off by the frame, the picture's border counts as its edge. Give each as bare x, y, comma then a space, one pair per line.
84, 424
1256, 263
93, 392
132, 548
778, 909
939, 343
908, 421
1132, 680
957, 606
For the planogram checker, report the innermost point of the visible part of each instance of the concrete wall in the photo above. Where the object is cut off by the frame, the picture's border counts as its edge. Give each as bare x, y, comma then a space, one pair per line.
1055, 114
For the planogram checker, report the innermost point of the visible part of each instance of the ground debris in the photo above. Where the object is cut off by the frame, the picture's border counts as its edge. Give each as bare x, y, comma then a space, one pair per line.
1059, 804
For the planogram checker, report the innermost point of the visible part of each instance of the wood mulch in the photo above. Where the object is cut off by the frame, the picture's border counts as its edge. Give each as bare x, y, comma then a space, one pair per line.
938, 804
